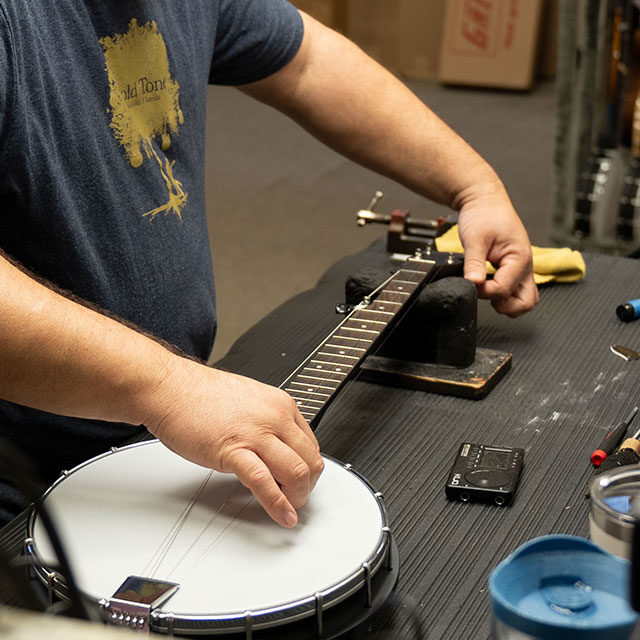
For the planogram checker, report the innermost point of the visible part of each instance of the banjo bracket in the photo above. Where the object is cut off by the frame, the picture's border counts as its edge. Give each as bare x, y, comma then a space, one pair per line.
132, 603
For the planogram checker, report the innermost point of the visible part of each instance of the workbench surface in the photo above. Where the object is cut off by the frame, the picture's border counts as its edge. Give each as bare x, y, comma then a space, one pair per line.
563, 391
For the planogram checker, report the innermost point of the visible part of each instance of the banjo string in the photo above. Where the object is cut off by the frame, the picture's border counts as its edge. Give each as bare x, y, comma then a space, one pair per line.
210, 546
153, 565
205, 528
171, 537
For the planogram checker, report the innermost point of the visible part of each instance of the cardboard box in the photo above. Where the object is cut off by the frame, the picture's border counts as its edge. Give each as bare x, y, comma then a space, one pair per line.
419, 33
330, 12
490, 43
403, 35
406, 35
373, 26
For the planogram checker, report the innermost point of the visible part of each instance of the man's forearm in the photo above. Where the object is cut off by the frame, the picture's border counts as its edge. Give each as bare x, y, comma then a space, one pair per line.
354, 105
62, 357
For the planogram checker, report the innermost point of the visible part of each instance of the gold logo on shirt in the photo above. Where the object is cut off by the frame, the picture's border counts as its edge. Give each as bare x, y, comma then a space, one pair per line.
145, 105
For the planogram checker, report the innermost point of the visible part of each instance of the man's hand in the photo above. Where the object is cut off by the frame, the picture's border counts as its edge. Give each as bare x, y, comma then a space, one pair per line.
491, 231
234, 424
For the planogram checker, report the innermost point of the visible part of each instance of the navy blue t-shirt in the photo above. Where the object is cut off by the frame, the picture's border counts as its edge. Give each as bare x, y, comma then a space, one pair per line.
102, 124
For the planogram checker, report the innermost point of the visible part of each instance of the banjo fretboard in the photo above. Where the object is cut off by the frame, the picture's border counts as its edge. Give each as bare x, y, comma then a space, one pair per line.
315, 382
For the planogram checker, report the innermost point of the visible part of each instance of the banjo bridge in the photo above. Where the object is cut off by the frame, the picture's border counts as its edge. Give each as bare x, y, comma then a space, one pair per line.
132, 603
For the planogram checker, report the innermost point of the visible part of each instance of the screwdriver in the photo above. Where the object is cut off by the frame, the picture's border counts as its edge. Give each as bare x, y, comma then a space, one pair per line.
628, 453
612, 440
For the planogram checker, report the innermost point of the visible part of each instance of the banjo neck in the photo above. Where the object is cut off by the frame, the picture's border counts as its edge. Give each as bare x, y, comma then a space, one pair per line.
317, 380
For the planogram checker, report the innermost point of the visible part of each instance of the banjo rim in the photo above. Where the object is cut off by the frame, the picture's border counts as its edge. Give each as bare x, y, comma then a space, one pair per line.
163, 620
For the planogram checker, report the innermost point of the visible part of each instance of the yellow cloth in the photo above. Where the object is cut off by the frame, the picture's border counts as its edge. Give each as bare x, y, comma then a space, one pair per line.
549, 265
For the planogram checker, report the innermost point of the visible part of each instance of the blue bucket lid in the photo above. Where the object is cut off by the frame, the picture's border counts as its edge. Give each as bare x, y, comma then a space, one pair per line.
561, 587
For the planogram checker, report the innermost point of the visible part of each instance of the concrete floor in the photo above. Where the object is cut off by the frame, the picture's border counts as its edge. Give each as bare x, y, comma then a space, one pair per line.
282, 207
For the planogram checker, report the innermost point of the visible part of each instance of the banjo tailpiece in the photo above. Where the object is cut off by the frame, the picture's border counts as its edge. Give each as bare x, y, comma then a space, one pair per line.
132, 603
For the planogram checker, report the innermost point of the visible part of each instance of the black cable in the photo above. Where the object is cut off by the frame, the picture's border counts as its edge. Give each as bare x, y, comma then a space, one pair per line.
22, 474
22, 592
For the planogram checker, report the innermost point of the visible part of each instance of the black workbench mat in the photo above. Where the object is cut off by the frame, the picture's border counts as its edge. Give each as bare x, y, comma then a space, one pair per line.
564, 389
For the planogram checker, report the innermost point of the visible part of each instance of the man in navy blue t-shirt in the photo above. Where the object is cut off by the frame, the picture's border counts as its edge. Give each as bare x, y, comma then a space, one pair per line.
106, 281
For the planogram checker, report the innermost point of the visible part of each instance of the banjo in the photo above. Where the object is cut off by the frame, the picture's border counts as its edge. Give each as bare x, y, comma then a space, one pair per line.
161, 544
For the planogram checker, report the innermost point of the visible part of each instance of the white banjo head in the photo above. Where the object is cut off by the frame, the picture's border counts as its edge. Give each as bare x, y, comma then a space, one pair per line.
143, 510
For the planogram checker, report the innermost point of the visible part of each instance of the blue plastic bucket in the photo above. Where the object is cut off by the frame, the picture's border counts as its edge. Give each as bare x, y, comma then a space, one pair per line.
561, 587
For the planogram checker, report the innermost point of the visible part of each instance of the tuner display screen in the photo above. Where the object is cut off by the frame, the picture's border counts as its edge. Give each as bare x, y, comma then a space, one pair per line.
496, 458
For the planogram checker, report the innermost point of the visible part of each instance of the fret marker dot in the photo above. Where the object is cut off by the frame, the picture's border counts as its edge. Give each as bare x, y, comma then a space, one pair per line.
318, 366
381, 308
363, 326
310, 390
399, 288
341, 352
338, 369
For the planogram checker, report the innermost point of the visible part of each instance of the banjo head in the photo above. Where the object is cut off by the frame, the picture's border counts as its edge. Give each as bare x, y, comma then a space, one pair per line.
144, 511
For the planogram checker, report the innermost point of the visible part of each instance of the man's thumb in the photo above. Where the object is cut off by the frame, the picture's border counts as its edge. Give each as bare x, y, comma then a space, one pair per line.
475, 267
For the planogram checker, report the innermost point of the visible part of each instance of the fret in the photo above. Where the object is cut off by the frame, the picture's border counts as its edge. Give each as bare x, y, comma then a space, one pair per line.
329, 366
340, 355
308, 377
308, 416
405, 278
424, 267
365, 343
409, 276
387, 299
327, 373
359, 330
302, 402
402, 289
360, 341
341, 347
319, 367
343, 357
404, 269
300, 391
352, 331
391, 297
330, 376
307, 388
364, 323
379, 312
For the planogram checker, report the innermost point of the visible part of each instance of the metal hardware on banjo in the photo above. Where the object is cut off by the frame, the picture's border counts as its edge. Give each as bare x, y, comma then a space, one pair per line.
159, 543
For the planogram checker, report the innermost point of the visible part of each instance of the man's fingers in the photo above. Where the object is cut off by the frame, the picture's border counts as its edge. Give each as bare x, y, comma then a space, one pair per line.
290, 470
306, 446
302, 440
306, 429
510, 271
255, 475
523, 298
